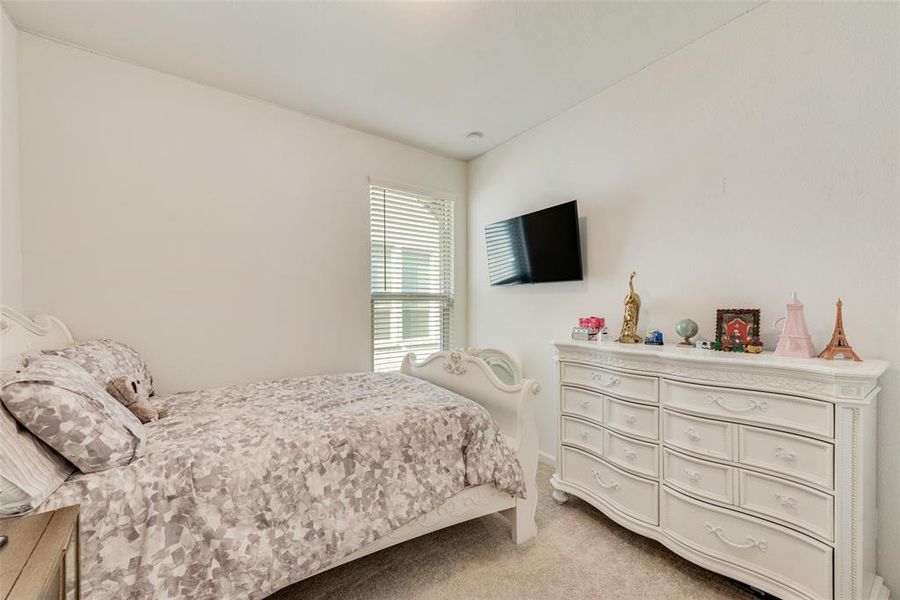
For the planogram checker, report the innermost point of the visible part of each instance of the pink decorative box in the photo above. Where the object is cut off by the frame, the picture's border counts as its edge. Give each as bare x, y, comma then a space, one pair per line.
592, 322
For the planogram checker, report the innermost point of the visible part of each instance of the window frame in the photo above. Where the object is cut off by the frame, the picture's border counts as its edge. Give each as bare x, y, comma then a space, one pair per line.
447, 299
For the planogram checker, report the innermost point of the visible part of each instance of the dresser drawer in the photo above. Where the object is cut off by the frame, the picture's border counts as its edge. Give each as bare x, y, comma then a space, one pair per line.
792, 503
702, 436
640, 457
631, 418
800, 414
632, 495
582, 433
699, 477
764, 548
793, 455
624, 385
584, 404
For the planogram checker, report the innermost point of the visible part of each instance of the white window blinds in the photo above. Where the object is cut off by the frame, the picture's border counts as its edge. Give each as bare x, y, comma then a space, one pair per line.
412, 275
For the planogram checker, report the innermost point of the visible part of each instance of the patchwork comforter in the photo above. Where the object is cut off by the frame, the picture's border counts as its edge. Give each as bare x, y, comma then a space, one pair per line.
245, 489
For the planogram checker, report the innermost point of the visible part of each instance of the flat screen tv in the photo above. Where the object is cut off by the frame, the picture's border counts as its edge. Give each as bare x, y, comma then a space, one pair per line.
539, 247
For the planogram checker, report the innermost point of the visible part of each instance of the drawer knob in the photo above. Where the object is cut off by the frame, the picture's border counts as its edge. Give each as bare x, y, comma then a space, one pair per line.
753, 404
605, 380
629, 418
693, 476
786, 501
629, 453
585, 434
691, 434
612, 485
585, 404
751, 542
785, 454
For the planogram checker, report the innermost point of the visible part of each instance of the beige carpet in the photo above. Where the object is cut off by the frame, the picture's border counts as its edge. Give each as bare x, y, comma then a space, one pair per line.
578, 553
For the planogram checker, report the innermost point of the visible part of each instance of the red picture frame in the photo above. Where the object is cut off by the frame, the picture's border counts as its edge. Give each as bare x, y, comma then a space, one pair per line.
736, 328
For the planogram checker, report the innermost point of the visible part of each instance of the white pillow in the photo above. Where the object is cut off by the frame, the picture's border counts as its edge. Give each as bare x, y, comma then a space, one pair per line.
29, 470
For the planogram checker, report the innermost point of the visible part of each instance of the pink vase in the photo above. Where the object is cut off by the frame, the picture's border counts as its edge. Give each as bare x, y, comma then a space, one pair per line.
795, 340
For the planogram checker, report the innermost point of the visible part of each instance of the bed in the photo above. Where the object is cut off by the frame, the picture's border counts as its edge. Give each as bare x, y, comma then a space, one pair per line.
246, 489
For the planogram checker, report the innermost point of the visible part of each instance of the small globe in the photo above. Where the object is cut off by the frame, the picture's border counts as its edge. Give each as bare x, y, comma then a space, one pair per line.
686, 328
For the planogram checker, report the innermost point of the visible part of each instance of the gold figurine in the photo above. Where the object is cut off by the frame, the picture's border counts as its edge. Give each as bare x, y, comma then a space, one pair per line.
632, 312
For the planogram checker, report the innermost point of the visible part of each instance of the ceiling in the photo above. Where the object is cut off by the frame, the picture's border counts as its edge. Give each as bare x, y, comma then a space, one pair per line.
423, 73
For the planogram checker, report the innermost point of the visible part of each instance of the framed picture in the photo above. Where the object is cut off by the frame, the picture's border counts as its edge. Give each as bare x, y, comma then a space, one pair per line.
736, 328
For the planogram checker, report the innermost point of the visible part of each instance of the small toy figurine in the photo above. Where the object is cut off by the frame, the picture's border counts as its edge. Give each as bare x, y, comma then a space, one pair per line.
654, 338
629, 334
839, 346
733, 342
755, 346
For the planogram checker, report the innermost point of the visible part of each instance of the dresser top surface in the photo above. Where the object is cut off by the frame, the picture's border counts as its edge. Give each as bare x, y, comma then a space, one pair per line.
36, 543
868, 368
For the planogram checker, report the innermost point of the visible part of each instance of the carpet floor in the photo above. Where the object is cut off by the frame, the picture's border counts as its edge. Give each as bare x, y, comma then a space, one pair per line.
578, 553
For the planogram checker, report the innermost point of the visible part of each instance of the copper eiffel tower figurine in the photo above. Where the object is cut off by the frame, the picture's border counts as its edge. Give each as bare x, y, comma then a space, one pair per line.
839, 346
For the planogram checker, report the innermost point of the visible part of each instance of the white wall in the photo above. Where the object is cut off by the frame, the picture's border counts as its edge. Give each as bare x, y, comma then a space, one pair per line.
11, 244
759, 160
225, 238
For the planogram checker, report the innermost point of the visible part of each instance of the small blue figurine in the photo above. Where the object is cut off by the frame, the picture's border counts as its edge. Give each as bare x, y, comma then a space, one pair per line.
654, 338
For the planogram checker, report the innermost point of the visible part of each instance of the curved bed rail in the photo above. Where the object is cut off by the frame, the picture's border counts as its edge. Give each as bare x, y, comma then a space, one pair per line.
20, 335
502, 364
511, 405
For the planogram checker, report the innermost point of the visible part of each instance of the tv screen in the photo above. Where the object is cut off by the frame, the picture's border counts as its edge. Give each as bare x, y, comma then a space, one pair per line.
538, 247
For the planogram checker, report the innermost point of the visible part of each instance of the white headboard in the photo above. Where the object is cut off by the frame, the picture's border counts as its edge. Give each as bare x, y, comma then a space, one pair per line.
20, 334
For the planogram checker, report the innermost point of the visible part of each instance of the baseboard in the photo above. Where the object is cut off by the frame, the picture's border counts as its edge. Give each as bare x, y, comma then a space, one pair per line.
546, 459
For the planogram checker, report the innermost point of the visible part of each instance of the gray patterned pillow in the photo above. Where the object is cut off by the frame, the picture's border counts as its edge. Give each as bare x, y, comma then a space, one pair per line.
61, 404
107, 359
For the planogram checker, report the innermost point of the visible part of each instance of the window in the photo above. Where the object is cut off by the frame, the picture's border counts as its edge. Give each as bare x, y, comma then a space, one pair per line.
411, 275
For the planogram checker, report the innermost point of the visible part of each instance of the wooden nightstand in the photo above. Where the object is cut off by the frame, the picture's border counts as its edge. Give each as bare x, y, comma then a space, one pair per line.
41, 559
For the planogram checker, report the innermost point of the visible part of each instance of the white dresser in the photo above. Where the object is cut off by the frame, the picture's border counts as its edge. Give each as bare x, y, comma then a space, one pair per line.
758, 467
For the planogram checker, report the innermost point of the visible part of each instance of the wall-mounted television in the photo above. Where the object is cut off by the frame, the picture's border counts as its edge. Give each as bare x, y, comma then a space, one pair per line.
539, 247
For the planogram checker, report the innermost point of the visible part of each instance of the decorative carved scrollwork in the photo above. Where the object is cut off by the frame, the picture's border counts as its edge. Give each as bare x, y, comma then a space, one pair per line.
785, 454
605, 380
455, 363
693, 476
786, 501
725, 374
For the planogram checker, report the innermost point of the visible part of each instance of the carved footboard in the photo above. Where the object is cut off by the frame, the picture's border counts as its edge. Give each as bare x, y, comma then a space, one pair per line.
511, 406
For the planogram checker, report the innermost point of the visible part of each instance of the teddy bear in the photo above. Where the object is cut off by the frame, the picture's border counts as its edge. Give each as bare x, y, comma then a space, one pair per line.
135, 396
